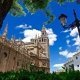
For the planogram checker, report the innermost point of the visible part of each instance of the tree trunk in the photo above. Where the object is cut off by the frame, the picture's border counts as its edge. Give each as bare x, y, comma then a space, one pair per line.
4, 9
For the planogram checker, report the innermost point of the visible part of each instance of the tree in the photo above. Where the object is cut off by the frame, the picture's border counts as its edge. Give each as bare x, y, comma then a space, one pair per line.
5, 6
15, 7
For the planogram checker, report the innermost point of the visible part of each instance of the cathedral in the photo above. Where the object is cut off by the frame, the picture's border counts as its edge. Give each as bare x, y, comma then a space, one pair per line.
33, 55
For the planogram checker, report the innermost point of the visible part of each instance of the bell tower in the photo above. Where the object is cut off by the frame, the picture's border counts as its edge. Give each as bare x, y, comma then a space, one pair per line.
45, 42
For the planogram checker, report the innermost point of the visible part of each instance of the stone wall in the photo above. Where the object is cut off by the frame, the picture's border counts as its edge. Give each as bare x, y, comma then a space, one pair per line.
11, 59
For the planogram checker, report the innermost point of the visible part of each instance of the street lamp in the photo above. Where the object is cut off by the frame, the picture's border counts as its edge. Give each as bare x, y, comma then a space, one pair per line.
63, 19
76, 23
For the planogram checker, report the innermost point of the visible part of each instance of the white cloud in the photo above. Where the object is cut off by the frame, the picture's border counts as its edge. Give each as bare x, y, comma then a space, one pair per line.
60, 48
29, 34
77, 41
67, 54
24, 26
74, 32
52, 37
65, 31
58, 65
67, 41
78, 48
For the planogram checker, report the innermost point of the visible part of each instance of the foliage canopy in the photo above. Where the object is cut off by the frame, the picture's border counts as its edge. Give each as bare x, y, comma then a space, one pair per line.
33, 5
19, 7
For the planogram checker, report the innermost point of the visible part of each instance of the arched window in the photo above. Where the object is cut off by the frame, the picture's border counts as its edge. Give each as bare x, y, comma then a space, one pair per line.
14, 58
43, 33
76, 57
35, 41
42, 39
5, 54
39, 40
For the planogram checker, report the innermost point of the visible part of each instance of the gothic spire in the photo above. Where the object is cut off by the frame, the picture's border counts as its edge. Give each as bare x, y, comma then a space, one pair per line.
36, 36
43, 28
5, 31
13, 38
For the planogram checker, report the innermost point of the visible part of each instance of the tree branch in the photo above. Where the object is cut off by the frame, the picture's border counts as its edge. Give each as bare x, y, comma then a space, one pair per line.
4, 9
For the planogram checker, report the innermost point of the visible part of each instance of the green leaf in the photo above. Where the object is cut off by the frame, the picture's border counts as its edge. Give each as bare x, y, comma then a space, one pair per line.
34, 5
16, 9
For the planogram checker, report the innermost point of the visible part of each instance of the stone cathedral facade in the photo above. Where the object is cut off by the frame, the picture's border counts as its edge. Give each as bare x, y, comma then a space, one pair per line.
15, 55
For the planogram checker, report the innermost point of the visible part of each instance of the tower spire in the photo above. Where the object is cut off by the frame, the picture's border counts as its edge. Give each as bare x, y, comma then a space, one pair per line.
43, 28
5, 31
43, 32
13, 38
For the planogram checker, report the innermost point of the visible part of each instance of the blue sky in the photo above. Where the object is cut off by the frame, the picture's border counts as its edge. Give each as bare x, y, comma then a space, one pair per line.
63, 43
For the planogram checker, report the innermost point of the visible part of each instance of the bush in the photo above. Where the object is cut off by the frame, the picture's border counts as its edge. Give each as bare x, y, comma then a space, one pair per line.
39, 75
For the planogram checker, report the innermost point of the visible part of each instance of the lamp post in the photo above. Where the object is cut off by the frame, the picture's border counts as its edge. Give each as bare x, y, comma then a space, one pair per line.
76, 23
